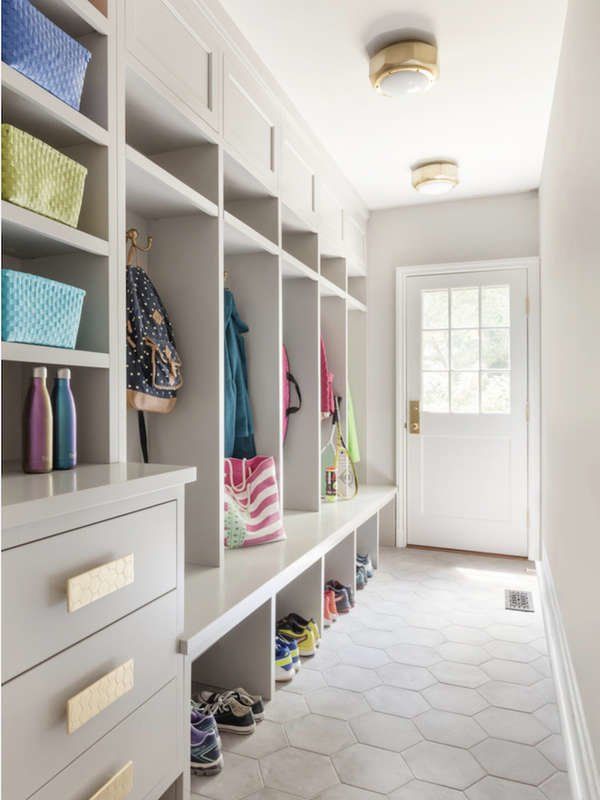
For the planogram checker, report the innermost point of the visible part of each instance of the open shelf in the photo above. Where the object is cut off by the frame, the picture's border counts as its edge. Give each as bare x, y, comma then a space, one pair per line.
31, 108
293, 222
26, 234
355, 305
329, 289
75, 17
39, 354
291, 267
239, 182
356, 269
155, 193
241, 239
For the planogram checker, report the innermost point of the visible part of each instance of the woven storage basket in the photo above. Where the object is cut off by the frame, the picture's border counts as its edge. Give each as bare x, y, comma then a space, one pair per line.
39, 49
39, 311
38, 177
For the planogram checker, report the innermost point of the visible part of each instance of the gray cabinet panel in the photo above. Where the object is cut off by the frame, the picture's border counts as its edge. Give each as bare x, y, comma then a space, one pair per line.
35, 619
147, 739
35, 741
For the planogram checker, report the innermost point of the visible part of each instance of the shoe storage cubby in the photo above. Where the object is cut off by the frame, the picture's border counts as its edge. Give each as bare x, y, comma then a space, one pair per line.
367, 539
340, 562
303, 595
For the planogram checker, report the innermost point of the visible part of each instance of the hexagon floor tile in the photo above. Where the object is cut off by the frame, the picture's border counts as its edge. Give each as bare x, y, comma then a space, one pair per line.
385, 731
291, 770
371, 768
428, 690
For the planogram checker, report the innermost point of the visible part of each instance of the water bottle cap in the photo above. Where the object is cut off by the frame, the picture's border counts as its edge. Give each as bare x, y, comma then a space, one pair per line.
40, 372
64, 372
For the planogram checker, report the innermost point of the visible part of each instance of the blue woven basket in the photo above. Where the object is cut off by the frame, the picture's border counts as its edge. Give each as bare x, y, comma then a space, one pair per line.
39, 49
39, 311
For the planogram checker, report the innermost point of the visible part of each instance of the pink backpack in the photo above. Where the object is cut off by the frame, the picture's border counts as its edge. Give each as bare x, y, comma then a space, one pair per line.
288, 382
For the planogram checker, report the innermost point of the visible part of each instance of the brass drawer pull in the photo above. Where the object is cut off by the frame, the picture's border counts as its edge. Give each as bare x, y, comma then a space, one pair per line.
91, 701
98, 582
117, 787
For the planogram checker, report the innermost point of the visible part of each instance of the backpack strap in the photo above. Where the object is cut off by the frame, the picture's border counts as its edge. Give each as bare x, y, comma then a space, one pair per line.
293, 409
143, 436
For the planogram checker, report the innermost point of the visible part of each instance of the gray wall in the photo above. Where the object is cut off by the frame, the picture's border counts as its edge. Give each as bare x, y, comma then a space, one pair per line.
504, 226
570, 249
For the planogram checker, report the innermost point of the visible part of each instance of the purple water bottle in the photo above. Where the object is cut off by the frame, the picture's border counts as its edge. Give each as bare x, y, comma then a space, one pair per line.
37, 425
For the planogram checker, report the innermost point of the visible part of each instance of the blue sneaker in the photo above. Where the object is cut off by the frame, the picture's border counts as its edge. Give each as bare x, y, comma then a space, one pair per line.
205, 751
292, 646
284, 664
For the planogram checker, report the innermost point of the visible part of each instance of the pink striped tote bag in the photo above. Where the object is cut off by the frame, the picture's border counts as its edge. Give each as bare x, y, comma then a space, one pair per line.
252, 510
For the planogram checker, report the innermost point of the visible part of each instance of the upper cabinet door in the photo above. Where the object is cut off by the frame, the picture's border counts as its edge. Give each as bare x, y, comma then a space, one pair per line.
176, 43
355, 239
331, 221
297, 178
250, 122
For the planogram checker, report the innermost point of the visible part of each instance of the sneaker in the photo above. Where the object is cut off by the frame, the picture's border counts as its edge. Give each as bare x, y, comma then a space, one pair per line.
292, 646
327, 618
205, 752
201, 721
344, 597
254, 701
365, 561
306, 623
361, 577
230, 715
330, 597
284, 665
303, 636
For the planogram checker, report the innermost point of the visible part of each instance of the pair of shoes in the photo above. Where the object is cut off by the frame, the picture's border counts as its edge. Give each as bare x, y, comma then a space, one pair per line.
329, 608
361, 576
285, 668
205, 744
234, 710
364, 560
344, 596
304, 632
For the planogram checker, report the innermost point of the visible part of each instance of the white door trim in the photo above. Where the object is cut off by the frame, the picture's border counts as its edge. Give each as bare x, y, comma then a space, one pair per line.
532, 265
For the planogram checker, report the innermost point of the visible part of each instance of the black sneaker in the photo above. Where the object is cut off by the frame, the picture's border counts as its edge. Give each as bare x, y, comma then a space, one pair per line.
230, 715
255, 702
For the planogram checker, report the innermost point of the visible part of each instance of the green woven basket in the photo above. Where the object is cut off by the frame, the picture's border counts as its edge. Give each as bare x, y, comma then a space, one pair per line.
38, 177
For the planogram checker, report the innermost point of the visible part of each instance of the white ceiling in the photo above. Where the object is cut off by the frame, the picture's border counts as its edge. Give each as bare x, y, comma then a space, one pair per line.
489, 109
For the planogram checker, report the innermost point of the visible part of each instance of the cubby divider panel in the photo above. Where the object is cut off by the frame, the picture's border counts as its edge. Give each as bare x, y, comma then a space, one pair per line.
301, 453
242, 657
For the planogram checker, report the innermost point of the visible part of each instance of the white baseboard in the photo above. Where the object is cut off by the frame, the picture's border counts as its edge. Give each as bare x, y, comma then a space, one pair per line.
583, 770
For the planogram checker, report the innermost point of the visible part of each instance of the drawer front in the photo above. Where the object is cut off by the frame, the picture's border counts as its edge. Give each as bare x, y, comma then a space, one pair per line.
136, 757
176, 43
58, 590
54, 712
250, 121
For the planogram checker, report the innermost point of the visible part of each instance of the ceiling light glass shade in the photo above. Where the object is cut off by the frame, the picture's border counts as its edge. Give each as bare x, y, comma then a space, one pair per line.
404, 68
435, 178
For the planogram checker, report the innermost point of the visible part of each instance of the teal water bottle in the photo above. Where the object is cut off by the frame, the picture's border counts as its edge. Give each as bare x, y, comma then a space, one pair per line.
65, 422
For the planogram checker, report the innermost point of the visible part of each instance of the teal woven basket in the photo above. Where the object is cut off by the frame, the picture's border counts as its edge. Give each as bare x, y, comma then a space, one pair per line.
39, 311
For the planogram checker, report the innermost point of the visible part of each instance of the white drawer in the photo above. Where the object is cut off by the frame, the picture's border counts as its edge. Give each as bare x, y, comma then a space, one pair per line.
87, 689
132, 762
58, 590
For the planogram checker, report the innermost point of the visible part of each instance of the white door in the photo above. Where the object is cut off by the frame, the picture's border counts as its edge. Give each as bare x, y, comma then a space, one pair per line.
466, 378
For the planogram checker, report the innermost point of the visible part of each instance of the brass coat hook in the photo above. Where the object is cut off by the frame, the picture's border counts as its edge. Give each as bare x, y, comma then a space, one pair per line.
135, 248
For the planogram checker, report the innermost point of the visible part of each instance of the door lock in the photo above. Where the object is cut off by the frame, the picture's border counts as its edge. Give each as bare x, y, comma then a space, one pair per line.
414, 416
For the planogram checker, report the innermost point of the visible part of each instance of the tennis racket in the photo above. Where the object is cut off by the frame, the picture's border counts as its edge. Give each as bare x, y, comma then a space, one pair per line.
347, 481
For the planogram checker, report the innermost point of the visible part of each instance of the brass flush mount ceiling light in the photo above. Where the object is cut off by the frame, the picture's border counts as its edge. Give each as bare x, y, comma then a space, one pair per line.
404, 68
438, 177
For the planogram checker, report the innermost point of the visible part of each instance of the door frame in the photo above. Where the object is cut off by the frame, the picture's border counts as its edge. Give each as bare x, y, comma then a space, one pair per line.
532, 265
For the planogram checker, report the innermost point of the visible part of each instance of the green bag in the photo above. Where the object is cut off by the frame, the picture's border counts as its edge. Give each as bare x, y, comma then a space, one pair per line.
38, 177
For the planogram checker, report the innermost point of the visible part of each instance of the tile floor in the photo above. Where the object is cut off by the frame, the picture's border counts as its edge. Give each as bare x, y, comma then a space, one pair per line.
428, 690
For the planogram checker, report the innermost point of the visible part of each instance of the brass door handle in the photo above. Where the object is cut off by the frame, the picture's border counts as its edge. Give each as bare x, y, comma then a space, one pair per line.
414, 416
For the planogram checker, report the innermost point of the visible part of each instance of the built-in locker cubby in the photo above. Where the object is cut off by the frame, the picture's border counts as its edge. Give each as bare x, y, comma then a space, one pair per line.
301, 449
242, 657
303, 595
340, 562
367, 539
357, 383
302, 246
333, 271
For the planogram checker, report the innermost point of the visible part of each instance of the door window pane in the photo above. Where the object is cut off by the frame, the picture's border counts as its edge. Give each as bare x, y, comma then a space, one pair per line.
465, 308
435, 309
465, 349
495, 348
435, 394
495, 306
465, 392
435, 350
495, 392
